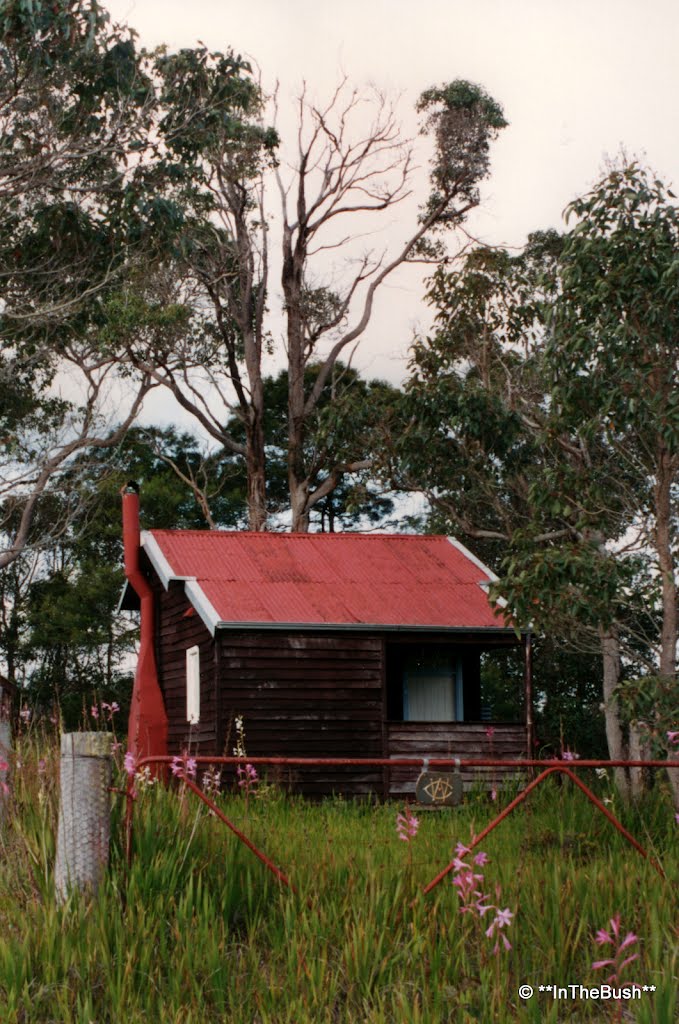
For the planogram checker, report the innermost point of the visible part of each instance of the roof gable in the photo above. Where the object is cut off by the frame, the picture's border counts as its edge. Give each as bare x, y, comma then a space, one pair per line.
384, 581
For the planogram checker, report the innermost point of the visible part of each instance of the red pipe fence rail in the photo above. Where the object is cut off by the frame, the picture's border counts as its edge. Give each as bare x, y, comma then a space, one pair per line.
550, 767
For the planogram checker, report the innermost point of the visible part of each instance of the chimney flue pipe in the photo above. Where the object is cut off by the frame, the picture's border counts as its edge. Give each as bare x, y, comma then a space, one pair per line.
147, 727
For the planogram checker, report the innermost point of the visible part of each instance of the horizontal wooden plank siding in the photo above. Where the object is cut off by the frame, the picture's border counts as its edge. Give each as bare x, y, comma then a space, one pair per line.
454, 739
306, 696
178, 628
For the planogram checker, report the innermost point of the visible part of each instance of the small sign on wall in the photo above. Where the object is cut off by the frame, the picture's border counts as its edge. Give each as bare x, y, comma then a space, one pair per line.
193, 685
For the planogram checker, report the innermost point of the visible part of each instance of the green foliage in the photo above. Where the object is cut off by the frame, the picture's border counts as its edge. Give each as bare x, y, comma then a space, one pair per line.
650, 703
613, 349
462, 120
210, 103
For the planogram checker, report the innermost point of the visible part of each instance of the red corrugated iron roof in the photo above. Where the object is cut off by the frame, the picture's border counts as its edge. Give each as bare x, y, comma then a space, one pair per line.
389, 580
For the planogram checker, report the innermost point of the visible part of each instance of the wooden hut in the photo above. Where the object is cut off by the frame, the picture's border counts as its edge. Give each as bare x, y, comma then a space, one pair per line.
327, 645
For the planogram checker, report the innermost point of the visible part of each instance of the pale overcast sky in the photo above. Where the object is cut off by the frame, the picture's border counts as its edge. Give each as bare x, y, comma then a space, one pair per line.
577, 79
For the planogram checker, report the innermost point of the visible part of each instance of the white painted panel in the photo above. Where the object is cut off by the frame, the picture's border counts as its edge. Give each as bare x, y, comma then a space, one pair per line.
193, 685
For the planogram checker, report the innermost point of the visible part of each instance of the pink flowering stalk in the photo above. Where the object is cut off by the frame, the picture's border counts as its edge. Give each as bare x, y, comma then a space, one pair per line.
618, 959
130, 763
212, 781
247, 778
474, 901
94, 711
247, 774
569, 755
407, 825
4, 788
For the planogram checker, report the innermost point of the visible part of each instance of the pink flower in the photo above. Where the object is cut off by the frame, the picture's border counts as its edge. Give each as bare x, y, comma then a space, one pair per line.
569, 755
130, 763
42, 766
94, 711
407, 825
493, 794
25, 714
673, 737
490, 732
481, 858
247, 775
177, 766
676, 818
604, 938
502, 919
191, 766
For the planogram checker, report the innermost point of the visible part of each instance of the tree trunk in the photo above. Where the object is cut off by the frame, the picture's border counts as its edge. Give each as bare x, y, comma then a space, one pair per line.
292, 281
610, 652
637, 752
663, 542
256, 475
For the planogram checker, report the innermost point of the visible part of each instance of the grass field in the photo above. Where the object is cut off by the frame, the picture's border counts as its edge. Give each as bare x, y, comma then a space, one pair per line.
200, 932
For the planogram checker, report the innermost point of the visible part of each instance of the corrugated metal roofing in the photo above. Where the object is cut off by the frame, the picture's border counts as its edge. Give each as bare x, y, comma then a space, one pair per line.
387, 580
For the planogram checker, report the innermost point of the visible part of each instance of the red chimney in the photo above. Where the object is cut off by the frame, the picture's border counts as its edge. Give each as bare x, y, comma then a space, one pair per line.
147, 726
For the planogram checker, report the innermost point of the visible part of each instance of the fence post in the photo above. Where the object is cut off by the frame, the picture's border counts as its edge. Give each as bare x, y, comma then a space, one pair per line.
84, 812
5, 751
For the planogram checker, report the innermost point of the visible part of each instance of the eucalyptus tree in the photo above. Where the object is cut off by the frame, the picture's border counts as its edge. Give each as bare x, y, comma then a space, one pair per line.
614, 356
220, 159
546, 404
74, 109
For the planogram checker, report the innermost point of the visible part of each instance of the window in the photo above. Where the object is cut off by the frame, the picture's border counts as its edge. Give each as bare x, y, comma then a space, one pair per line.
193, 685
432, 688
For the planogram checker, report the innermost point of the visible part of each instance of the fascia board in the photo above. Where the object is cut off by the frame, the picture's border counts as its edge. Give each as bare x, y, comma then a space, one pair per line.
492, 578
158, 560
202, 604
166, 575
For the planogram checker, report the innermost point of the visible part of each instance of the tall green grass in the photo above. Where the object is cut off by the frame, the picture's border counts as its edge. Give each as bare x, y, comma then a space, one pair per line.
198, 931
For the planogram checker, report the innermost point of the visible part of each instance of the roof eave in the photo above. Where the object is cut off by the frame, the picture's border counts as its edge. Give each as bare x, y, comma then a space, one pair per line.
373, 627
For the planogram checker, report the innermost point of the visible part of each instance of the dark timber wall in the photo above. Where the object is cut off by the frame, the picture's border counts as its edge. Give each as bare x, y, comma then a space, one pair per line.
179, 627
306, 696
